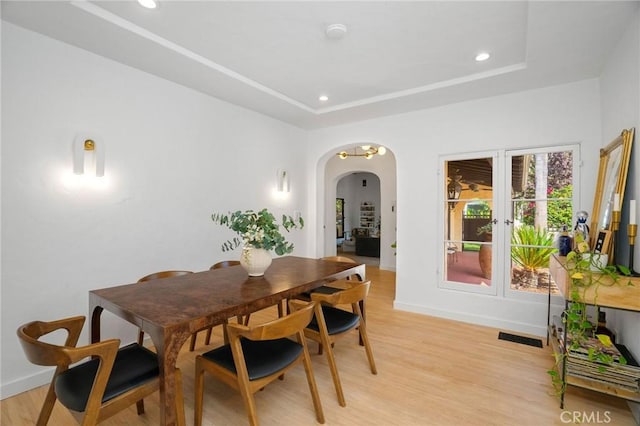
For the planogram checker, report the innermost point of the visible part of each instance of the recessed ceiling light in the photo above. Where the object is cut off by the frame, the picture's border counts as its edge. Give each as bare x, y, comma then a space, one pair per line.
336, 31
483, 56
149, 4
323, 98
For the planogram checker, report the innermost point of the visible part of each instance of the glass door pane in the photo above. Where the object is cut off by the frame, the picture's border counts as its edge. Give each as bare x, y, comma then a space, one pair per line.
541, 205
468, 208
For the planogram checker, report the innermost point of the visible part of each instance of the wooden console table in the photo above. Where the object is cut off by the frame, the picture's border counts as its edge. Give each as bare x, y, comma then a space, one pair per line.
618, 296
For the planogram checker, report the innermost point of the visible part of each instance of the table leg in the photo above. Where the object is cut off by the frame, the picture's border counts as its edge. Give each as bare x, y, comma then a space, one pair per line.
95, 311
168, 347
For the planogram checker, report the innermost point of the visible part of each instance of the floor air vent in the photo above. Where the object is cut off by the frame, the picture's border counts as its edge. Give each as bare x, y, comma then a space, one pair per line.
520, 339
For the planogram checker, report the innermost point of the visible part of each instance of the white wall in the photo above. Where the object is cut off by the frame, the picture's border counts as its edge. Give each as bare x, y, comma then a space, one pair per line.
620, 88
173, 157
552, 116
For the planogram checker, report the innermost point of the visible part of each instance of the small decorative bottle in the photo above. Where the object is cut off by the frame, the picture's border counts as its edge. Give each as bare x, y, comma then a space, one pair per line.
581, 227
564, 242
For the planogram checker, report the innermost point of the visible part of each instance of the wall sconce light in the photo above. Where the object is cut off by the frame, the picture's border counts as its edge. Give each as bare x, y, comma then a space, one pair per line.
368, 152
282, 182
88, 156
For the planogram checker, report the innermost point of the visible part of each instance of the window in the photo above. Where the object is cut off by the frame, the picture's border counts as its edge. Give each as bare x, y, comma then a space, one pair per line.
540, 204
500, 232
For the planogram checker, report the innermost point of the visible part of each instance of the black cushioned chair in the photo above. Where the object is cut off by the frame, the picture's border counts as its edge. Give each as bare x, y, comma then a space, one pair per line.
330, 322
256, 356
333, 286
94, 390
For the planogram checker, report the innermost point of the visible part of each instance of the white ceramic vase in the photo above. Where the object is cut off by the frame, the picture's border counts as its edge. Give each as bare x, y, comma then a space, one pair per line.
255, 260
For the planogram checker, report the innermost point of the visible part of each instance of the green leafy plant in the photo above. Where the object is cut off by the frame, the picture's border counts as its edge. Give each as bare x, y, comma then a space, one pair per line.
531, 247
257, 229
485, 229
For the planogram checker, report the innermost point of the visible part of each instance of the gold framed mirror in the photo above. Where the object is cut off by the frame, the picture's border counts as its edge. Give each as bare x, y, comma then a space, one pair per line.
612, 180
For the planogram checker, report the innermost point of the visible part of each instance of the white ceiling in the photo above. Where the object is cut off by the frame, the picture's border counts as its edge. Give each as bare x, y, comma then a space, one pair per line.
274, 57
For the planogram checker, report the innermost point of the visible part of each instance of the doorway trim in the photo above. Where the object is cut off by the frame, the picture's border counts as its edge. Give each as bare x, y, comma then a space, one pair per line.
330, 169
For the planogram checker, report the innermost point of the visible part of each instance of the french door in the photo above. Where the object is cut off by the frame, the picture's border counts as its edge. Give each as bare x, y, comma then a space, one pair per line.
503, 212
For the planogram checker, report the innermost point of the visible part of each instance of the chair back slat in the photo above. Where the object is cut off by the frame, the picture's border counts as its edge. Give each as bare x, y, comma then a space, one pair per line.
339, 259
276, 329
46, 354
163, 274
348, 296
224, 264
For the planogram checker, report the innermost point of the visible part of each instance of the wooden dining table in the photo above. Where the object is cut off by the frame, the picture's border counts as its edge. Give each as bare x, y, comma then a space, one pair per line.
169, 310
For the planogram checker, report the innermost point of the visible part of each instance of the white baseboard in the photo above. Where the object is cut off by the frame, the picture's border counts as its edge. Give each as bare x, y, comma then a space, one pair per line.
26, 383
487, 321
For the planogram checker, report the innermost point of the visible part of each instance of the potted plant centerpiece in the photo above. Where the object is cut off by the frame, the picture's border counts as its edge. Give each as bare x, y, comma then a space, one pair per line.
259, 233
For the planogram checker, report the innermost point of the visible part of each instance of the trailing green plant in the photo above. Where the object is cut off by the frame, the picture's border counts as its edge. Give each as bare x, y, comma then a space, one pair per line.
257, 229
586, 271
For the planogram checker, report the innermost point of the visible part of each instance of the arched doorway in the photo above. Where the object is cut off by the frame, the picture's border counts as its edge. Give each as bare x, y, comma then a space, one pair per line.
331, 170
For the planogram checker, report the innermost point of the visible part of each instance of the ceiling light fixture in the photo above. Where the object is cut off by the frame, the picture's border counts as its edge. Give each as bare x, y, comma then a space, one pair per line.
482, 56
323, 98
335, 31
149, 4
368, 152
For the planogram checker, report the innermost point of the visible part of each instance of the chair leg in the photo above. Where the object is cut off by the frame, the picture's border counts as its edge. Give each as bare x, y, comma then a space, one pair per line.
367, 345
179, 399
246, 319
249, 402
207, 340
334, 374
49, 402
198, 388
192, 345
281, 309
317, 405
225, 335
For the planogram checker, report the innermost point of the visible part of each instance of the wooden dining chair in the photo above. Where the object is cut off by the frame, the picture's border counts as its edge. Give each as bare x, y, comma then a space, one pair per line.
331, 287
330, 323
256, 356
224, 264
94, 390
169, 274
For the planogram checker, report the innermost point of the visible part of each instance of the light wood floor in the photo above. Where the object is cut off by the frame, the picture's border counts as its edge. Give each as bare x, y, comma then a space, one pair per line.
430, 372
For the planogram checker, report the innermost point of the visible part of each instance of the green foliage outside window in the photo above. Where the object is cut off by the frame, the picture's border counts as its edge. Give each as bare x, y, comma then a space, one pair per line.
531, 247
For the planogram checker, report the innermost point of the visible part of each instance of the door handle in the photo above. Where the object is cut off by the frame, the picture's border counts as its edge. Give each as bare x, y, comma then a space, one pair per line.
508, 222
